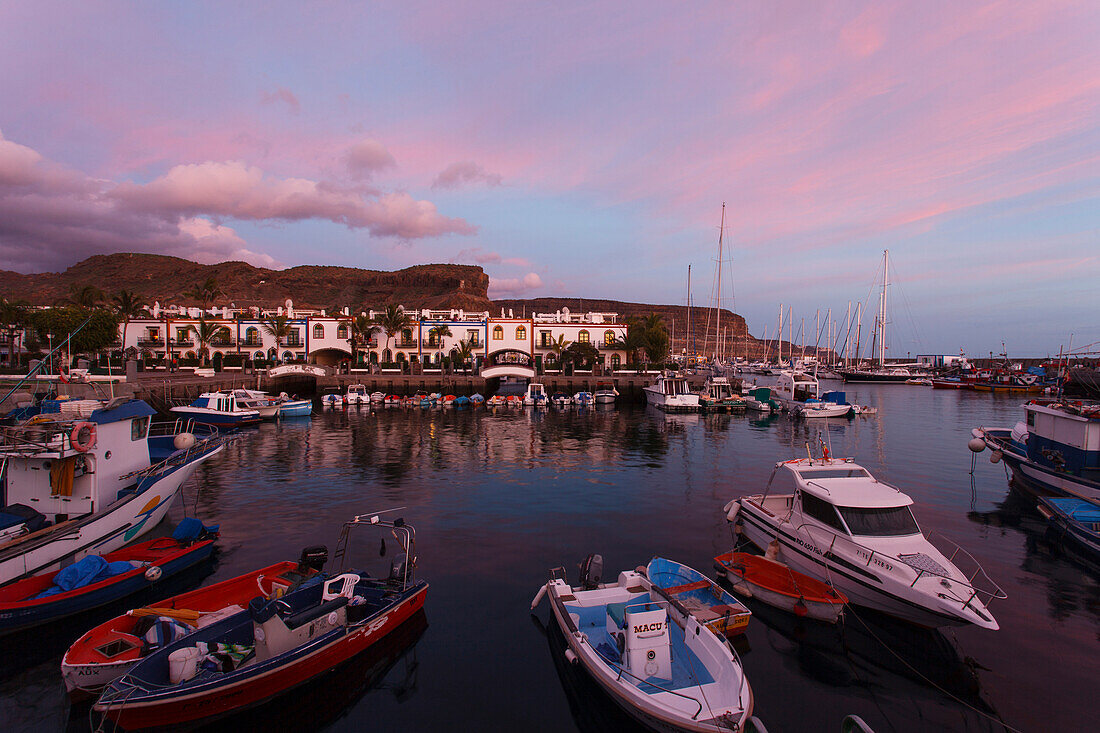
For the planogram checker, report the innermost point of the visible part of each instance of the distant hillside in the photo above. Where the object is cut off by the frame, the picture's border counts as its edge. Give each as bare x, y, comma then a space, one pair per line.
165, 279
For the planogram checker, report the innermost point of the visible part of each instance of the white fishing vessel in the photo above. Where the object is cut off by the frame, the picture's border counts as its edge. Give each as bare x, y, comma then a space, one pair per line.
605, 394
251, 399
656, 661
77, 485
798, 393
845, 527
670, 392
357, 395
536, 395
220, 409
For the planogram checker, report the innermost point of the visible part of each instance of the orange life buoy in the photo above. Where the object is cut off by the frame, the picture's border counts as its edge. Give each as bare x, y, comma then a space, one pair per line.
82, 437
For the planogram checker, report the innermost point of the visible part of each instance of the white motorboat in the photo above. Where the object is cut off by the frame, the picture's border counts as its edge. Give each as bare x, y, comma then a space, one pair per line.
560, 399
656, 661
251, 399
605, 394
88, 483
671, 393
219, 409
583, 399
798, 393
843, 526
536, 395
333, 399
357, 395
377, 398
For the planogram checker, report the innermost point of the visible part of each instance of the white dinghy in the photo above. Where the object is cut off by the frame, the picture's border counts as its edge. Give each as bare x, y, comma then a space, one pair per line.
655, 660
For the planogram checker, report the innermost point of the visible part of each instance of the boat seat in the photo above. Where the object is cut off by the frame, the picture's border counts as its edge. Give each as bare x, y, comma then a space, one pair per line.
617, 612
311, 614
697, 585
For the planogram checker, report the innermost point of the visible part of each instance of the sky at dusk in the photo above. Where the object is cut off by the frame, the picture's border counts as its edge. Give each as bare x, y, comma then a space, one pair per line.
583, 150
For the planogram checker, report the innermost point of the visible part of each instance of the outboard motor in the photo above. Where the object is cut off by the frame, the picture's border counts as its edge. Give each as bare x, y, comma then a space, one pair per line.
591, 572
313, 557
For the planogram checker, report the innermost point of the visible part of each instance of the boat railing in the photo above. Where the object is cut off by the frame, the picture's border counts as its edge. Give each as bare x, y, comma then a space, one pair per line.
201, 446
976, 577
37, 436
177, 426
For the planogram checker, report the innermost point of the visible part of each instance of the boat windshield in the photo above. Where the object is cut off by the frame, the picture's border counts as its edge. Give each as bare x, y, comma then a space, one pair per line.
847, 472
879, 521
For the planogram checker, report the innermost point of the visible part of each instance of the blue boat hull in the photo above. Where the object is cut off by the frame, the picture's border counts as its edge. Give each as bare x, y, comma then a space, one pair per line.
219, 420
299, 408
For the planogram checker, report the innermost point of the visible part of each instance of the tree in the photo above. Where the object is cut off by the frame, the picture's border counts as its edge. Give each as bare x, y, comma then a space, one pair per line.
206, 293
100, 332
437, 334
581, 354
394, 321
127, 305
656, 337
207, 333
362, 329
464, 351
13, 319
84, 296
278, 327
558, 347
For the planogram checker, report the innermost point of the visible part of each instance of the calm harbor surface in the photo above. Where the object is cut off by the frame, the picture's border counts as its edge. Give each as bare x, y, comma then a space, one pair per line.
499, 498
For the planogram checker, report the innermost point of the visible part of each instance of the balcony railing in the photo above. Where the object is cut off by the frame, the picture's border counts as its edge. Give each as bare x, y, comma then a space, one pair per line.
151, 342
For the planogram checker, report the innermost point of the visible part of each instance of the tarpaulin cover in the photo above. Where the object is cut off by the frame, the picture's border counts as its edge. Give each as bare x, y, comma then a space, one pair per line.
91, 569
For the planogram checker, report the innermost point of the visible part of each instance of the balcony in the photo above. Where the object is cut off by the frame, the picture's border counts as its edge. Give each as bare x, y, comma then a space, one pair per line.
292, 343
252, 343
403, 344
150, 342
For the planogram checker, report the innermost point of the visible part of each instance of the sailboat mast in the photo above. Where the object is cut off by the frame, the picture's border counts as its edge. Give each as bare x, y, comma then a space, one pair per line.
689, 337
859, 329
718, 299
779, 336
882, 310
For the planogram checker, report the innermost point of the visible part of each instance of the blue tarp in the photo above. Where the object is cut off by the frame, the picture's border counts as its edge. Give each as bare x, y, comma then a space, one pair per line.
91, 569
125, 411
190, 528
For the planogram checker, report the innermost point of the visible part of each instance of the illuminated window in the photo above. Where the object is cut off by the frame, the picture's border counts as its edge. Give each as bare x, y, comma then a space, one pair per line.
521, 333
318, 331
498, 333
342, 331
609, 337
582, 337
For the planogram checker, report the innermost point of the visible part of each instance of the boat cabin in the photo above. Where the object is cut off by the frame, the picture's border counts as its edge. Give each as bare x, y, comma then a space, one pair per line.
62, 466
1065, 436
797, 386
359, 389
536, 392
672, 386
845, 498
718, 389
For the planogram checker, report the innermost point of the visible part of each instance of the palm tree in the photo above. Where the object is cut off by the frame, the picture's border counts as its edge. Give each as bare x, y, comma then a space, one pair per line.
394, 321
278, 327
128, 304
206, 293
362, 330
557, 348
656, 337
463, 352
207, 333
84, 296
437, 334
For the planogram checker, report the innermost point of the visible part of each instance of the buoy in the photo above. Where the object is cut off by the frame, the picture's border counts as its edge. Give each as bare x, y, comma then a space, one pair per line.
976, 444
183, 441
995, 456
153, 573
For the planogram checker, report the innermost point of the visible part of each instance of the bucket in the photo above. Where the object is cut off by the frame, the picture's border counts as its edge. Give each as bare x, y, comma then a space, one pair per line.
183, 664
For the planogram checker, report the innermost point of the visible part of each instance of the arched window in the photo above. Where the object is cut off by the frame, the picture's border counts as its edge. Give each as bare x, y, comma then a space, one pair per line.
342, 331
252, 336
583, 337
259, 355
288, 356
387, 357
615, 361
521, 333
498, 333
609, 337
318, 331
374, 357
189, 355
400, 357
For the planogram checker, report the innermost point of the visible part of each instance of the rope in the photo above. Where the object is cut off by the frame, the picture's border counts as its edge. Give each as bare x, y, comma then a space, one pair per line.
995, 719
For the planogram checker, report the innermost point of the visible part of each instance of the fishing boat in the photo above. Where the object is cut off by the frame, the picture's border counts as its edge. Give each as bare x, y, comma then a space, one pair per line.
104, 653
357, 394
843, 526
760, 399
334, 400
96, 580
717, 395
392, 400
219, 409
919, 381
798, 393
1076, 519
250, 399
583, 399
605, 394
294, 408
448, 400
461, 401
779, 585
377, 398
272, 647
77, 486
477, 398
561, 399
655, 660
704, 599
1054, 449
670, 392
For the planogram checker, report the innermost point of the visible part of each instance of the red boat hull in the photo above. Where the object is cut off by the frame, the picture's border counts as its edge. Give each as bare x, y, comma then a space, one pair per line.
254, 691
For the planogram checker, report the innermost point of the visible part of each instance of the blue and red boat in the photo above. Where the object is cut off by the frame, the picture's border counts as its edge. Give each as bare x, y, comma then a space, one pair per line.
97, 580
273, 647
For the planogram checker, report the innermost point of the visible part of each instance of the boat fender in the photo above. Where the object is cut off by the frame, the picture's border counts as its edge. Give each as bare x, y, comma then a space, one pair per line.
772, 552
570, 656
995, 456
153, 573
82, 438
538, 598
732, 510
976, 444
183, 441
333, 618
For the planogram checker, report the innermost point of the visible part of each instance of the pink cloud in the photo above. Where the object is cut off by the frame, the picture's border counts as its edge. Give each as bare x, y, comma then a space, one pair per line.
466, 172
284, 95
514, 286
477, 255
367, 157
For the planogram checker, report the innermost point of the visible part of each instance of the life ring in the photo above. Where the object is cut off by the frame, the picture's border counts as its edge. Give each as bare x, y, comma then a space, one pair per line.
82, 437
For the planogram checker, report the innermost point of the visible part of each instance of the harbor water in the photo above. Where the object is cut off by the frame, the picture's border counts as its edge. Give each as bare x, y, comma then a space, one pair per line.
500, 498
